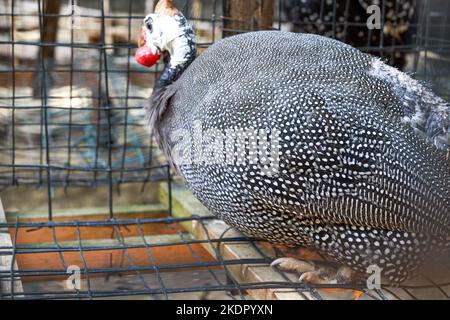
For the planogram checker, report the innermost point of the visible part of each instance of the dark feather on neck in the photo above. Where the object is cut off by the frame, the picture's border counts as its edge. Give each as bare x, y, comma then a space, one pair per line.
170, 75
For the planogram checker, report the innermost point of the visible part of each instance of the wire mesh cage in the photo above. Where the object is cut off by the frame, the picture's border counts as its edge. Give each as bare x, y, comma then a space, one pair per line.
74, 136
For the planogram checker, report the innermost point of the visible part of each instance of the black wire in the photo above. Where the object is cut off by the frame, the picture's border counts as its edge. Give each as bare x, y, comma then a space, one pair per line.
90, 292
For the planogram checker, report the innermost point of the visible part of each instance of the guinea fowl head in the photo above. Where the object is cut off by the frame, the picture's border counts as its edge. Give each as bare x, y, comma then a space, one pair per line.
167, 32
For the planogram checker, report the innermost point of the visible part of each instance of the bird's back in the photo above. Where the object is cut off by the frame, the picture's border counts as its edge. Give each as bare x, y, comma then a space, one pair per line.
344, 155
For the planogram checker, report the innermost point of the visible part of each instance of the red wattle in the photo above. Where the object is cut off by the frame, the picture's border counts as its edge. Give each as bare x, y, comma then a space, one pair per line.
146, 57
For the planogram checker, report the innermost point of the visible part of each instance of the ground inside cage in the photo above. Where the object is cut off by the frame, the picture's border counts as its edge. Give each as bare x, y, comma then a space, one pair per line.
145, 253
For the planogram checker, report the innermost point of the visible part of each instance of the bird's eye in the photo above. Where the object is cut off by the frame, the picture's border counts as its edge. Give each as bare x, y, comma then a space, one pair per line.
149, 23
149, 26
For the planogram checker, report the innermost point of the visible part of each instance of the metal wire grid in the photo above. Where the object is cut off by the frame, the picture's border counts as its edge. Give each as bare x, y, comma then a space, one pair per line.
100, 142
221, 279
109, 160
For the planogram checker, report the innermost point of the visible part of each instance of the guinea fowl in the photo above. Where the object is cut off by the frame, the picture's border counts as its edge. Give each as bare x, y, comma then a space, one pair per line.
303, 140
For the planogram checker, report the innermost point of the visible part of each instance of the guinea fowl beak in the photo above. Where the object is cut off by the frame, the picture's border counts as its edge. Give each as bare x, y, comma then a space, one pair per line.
146, 55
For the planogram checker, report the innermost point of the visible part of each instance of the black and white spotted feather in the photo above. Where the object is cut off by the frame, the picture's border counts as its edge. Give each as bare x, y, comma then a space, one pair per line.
354, 180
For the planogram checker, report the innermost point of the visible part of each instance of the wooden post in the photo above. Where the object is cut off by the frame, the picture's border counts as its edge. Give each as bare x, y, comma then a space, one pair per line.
49, 35
247, 15
197, 8
50, 26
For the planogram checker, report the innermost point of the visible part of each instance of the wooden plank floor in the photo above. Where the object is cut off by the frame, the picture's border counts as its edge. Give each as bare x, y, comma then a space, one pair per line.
165, 242
129, 282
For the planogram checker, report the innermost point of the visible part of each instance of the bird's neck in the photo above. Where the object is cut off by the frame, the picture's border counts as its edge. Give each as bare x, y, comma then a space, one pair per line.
172, 72
180, 52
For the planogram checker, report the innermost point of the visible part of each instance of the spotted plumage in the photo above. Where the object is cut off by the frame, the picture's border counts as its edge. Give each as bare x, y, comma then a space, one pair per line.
352, 178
